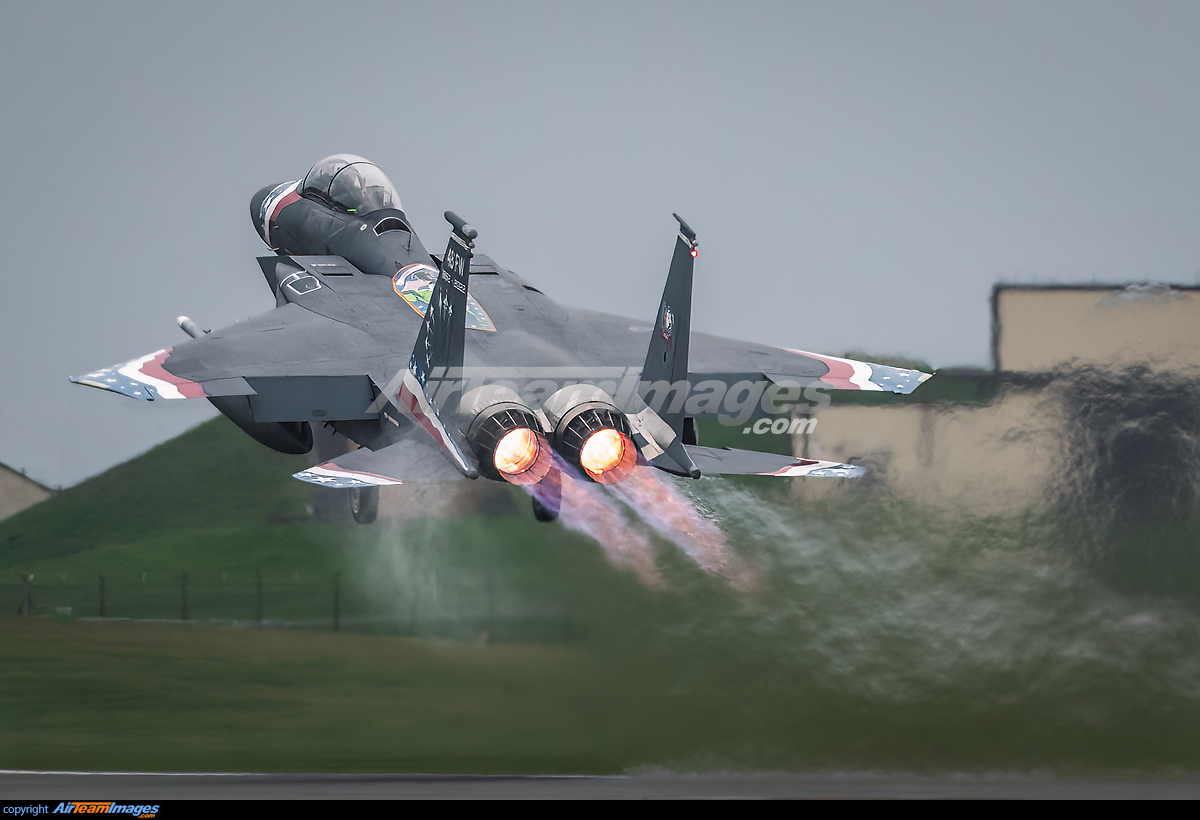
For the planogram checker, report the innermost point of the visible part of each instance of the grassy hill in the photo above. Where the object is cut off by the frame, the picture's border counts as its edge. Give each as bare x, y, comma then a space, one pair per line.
212, 476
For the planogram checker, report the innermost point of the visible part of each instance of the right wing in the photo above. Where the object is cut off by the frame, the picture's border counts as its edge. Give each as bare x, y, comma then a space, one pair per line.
625, 342
715, 461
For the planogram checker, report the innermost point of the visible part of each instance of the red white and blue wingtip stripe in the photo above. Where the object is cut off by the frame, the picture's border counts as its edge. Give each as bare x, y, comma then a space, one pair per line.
144, 379
848, 374
817, 469
330, 474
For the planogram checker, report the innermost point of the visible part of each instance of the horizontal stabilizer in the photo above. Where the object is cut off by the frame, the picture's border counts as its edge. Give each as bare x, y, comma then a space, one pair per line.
146, 379
714, 461
412, 460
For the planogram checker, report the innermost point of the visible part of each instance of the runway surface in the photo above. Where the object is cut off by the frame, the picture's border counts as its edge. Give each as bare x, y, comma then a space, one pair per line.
58, 786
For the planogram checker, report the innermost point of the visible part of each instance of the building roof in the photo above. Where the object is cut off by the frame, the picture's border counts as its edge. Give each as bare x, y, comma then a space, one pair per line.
4, 468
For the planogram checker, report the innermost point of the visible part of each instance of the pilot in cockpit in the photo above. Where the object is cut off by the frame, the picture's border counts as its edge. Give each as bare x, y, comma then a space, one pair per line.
351, 183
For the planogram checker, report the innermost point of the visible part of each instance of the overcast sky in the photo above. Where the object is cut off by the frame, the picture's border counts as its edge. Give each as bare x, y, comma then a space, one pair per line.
860, 174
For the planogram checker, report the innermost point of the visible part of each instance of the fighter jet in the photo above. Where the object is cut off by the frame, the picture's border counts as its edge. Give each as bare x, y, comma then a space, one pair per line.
453, 368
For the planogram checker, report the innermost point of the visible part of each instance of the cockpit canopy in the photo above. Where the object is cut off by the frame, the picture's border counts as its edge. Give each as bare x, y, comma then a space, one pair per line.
351, 183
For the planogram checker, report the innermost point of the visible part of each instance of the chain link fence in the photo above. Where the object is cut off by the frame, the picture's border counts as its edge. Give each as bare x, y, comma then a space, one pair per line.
459, 608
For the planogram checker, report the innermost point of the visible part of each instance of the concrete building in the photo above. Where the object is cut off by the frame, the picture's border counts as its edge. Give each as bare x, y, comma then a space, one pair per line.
18, 491
1007, 455
1038, 328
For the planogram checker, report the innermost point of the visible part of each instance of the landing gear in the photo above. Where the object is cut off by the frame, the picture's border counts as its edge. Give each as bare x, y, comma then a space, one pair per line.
364, 504
543, 513
547, 496
691, 431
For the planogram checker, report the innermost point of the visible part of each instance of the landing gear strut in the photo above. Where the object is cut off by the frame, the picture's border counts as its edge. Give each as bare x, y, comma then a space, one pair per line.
543, 513
364, 504
547, 496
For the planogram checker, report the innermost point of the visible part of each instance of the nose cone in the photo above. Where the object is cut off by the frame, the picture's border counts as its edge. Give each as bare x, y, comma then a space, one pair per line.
257, 211
266, 204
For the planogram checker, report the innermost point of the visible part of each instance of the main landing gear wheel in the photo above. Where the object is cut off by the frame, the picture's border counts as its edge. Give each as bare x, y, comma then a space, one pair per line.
543, 513
364, 504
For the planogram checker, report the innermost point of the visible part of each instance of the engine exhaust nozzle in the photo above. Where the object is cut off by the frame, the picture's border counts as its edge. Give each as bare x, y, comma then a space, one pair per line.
591, 433
507, 438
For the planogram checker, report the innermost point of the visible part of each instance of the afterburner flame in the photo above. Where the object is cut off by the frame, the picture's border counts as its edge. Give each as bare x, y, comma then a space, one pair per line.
603, 451
587, 508
517, 451
659, 502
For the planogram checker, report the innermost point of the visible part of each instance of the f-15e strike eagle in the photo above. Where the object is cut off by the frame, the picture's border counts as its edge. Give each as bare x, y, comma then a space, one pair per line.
452, 368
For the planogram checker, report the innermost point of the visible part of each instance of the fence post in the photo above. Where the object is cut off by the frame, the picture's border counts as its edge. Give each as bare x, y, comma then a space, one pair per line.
486, 637
26, 607
414, 611
102, 595
258, 608
183, 597
337, 599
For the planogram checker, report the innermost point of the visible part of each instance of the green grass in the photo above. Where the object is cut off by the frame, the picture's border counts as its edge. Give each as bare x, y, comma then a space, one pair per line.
128, 696
943, 387
715, 434
520, 579
877, 636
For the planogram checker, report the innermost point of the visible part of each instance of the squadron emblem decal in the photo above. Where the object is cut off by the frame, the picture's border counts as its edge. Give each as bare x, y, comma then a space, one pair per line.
668, 322
414, 284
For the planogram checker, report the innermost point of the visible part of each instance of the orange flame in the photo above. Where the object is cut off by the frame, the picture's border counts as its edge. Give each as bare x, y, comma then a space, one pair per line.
517, 451
522, 457
608, 456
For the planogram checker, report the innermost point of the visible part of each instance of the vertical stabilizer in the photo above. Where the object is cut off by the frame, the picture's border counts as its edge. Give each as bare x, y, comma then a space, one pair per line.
667, 356
438, 353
